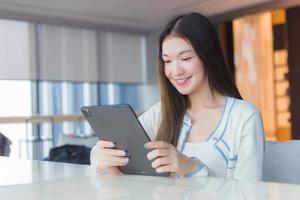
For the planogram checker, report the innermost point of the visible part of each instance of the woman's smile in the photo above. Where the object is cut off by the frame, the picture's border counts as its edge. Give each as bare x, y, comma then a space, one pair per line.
182, 81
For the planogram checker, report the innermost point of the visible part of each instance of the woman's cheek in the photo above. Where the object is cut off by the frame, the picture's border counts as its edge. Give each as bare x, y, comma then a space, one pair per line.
167, 71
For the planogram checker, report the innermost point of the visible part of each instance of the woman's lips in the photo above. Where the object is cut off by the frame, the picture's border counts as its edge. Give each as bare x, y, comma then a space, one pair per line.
182, 81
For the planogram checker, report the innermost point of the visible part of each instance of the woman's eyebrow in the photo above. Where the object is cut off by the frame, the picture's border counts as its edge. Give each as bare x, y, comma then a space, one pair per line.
185, 51
180, 53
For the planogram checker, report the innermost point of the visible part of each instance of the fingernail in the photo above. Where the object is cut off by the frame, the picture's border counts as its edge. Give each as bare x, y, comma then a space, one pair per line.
146, 145
148, 156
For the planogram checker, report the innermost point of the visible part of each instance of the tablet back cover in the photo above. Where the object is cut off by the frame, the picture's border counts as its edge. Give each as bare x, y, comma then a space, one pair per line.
119, 124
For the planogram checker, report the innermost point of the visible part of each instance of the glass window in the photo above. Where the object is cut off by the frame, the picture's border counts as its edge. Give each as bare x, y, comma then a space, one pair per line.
65, 98
49, 103
112, 93
15, 101
47, 98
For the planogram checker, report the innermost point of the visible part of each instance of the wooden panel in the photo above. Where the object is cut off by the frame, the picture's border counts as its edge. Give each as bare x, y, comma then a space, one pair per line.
283, 119
278, 17
280, 57
281, 73
282, 104
254, 64
283, 134
281, 88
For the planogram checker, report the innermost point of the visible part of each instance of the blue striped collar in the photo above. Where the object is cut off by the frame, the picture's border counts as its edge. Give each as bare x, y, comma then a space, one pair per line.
215, 134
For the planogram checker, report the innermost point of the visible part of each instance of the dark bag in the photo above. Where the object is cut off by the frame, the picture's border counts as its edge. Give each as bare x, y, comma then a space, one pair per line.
4, 145
78, 154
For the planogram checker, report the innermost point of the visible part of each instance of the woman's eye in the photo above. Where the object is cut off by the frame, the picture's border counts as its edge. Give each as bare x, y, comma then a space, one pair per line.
167, 61
186, 59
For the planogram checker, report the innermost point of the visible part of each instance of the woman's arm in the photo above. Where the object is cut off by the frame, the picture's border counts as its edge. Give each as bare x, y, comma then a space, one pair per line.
249, 165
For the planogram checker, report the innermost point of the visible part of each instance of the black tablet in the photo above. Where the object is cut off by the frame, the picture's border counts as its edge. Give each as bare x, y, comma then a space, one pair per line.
119, 124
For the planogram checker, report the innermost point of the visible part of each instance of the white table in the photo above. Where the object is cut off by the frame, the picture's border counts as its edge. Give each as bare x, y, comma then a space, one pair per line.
36, 180
14, 171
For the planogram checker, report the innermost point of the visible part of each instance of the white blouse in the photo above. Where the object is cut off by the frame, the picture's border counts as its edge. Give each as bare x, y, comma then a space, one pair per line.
235, 149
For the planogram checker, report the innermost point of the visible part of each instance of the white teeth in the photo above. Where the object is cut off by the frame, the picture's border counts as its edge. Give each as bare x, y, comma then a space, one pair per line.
181, 81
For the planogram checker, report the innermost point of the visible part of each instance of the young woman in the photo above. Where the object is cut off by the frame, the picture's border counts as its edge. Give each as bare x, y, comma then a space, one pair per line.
201, 126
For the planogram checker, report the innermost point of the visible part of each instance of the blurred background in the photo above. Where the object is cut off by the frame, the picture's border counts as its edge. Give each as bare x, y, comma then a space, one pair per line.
58, 55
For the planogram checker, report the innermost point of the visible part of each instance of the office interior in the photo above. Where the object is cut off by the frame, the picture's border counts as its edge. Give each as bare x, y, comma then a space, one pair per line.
56, 56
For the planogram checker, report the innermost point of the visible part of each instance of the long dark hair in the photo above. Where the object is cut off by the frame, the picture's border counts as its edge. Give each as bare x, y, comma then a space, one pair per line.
201, 33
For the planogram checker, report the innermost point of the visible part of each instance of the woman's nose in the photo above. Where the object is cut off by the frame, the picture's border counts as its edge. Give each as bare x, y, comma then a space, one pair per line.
177, 68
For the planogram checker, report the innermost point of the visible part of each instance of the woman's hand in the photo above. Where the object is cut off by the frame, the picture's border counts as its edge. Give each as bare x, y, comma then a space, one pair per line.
166, 158
109, 159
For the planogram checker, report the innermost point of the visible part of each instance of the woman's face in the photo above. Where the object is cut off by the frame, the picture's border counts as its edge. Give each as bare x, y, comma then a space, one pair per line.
183, 67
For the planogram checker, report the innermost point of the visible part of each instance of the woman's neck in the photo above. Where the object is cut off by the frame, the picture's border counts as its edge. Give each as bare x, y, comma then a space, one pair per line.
205, 99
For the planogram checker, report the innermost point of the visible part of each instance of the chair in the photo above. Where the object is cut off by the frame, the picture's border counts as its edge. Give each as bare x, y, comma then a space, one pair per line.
72, 149
282, 162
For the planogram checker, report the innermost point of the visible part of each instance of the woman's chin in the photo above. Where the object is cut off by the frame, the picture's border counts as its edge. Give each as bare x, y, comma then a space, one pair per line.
184, 91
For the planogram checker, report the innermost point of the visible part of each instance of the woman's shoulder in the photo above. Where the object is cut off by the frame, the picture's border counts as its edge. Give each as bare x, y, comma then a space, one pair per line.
150, 119
244, 107
153, 110
245, 119
155, 107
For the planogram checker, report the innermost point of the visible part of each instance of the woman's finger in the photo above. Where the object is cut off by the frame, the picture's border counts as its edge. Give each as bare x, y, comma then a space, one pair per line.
165, 168
158, 153
114, 164
112, 159
113, 171
160, 162
157, 144
113, 152
109, 163
105, 144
